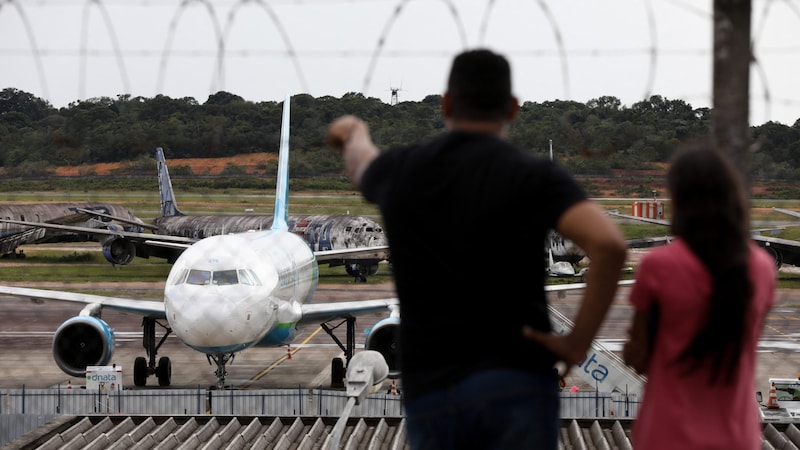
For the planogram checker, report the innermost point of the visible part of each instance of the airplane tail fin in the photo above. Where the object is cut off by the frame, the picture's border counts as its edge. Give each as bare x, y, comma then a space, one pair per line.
281, 213
169, 207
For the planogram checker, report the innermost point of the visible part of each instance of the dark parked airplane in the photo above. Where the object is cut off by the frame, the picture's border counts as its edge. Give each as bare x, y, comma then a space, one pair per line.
90, 217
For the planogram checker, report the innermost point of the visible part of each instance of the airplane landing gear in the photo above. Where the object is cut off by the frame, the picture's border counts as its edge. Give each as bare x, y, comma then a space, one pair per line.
164, 371
144, 367
359, 272
337, 365
337, 373
221, 360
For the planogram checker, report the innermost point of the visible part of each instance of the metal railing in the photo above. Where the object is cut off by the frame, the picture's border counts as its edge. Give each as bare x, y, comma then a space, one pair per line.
266, 402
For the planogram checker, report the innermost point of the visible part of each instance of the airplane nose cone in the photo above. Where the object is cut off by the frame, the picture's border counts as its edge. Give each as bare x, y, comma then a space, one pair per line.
219, 318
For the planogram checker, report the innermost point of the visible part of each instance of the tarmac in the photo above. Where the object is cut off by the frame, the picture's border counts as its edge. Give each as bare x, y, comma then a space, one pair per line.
28, 328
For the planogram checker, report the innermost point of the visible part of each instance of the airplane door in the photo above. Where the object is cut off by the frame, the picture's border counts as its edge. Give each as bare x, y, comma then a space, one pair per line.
324, 237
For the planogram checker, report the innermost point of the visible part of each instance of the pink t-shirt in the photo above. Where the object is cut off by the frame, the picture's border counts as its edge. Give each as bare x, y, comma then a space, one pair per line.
686, 411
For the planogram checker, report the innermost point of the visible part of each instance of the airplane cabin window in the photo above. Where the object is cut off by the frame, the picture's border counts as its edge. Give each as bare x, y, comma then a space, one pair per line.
199, 277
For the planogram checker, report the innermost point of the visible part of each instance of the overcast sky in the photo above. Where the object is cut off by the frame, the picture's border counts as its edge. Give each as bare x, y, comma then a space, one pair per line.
66, 50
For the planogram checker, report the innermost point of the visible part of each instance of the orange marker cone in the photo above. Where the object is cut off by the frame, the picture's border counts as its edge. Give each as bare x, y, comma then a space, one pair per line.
394, 387
288, 352
772, 402
69, 384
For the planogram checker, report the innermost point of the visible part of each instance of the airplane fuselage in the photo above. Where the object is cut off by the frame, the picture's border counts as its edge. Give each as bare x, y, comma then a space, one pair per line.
13, 235
321, 232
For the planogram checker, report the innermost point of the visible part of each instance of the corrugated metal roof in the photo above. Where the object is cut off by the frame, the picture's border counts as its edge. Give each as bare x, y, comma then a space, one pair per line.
236, 432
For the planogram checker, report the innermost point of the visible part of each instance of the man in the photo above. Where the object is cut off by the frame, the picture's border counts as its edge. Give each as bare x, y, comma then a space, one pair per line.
476, 350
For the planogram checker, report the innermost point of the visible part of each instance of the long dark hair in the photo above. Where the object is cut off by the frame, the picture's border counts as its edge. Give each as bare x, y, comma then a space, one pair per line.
710, 213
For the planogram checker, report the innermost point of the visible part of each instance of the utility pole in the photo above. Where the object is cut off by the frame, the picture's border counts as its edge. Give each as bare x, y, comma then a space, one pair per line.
731, 102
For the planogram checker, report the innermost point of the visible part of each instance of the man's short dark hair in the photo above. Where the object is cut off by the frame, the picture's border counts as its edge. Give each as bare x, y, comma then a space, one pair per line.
480, 85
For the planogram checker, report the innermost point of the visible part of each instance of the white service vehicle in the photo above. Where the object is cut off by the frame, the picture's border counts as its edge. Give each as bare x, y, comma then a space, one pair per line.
783, 399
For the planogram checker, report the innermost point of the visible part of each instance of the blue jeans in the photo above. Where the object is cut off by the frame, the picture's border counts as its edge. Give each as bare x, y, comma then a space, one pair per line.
495, 409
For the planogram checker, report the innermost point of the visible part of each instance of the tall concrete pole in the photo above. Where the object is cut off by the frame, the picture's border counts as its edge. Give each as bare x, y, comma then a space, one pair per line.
731, 106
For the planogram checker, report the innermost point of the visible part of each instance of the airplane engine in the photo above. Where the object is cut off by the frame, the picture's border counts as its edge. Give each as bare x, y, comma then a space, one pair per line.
82, 341
119, 251
776, 255
383, 339
362, 269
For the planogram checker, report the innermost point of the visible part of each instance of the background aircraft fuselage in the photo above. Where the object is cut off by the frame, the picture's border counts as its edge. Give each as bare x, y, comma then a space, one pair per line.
75, 214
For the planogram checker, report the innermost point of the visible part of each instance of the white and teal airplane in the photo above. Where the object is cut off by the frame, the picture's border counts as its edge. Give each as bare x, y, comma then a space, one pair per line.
224, 294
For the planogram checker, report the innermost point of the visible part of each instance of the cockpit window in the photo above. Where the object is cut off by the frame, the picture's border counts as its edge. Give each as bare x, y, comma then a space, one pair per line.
225, 277
247, 277
199, 277
180, 279
222, 277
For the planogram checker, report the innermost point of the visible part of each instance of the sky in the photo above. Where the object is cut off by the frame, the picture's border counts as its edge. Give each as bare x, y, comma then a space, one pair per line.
263, 50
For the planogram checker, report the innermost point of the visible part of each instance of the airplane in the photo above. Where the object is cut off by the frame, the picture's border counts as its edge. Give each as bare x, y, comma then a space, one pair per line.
562, 268
224, 293
89, 216
561, 249
783, 251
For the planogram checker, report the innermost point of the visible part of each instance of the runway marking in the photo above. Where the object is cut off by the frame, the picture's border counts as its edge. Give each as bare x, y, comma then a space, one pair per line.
285, 357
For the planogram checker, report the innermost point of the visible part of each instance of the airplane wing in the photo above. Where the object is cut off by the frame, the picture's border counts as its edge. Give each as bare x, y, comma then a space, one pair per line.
147, 308
645, 242
152, 239
783, 251
377, 252
91, 213
640, 219
317, 312
80, 215
10, 242
578, 286
648, 242
787, 212
321, 312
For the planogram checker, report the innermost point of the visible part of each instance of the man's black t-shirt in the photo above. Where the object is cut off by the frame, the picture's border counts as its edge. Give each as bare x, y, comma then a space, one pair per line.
466, 216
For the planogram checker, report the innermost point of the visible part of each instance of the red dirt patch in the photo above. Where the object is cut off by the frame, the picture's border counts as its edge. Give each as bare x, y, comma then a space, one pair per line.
251, 163
621, 184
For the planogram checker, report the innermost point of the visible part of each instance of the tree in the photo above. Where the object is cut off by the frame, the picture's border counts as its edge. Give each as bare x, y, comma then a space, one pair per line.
32, 107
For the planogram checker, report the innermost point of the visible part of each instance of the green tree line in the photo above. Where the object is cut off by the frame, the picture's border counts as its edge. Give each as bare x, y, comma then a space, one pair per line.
592, 138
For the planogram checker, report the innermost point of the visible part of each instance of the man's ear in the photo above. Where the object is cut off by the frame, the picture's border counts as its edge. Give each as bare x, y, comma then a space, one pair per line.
447, 105
514, 109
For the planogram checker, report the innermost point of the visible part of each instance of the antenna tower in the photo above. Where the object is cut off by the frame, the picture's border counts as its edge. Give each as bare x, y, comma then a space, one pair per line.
394, 91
